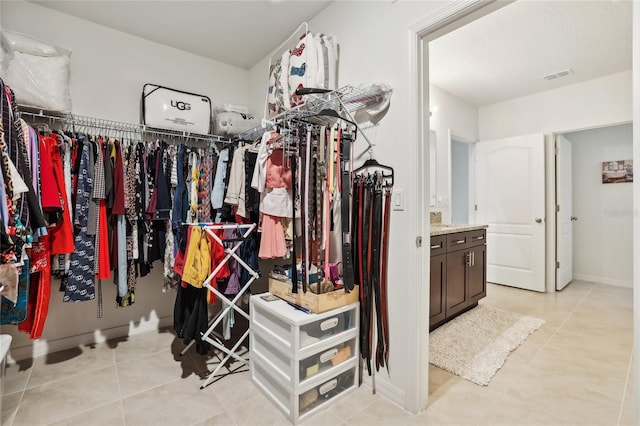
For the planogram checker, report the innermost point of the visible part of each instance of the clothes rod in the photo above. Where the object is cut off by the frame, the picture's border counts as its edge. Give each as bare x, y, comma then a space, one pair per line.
79, 121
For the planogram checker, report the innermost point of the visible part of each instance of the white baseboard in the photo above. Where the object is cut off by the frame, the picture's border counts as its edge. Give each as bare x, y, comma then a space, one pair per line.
603, 280
43, 347
386, 389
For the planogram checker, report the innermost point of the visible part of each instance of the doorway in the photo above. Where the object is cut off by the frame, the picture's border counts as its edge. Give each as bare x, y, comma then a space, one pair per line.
459, 181
595, 206
455, 16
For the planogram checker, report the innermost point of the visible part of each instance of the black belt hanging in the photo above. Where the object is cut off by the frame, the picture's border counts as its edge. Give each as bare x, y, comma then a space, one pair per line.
347, 264
303, 209
366, 259
294, 192
356, 219
376, 230
358, 248
383, 354
321, 177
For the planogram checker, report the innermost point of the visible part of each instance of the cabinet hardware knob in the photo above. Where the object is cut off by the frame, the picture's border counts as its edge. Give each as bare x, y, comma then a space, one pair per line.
538, 220
436, 246
574, 218
458, 242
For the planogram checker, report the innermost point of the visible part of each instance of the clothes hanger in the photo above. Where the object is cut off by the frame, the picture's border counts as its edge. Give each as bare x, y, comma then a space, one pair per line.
333, 113
371, 163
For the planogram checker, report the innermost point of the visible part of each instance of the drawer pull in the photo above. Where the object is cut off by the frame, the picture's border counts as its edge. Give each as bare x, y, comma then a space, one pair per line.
329, 386
328, 355
435, 246
330, 323
481, 237
459, 241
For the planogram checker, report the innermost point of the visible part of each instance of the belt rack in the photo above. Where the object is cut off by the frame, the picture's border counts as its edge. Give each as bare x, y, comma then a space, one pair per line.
228, 304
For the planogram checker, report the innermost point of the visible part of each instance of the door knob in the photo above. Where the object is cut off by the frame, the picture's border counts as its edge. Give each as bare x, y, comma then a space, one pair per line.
538, 220
574, 218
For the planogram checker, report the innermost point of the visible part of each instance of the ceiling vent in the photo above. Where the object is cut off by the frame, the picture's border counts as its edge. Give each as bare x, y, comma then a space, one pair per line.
558, 74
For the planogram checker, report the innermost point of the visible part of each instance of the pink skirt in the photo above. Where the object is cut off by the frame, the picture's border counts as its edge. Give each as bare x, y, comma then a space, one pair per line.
272, 243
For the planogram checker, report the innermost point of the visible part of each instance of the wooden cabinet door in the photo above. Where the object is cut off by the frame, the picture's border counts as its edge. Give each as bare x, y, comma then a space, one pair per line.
477, 274
456, 294
438, 289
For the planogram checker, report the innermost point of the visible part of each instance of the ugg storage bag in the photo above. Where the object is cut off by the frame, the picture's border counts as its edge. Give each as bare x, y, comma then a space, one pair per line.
173, 109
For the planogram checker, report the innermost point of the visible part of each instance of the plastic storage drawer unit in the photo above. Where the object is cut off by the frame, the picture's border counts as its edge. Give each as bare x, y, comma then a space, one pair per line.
297, 333
302, 361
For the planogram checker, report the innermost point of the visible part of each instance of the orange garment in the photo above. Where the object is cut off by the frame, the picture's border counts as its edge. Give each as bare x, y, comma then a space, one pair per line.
104, 270
217, 256
178, 264
61, 234
39, 289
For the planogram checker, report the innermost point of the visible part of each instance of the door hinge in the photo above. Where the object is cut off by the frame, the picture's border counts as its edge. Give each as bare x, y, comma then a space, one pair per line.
418, 241
557, 265
475, 206
557, 207
557, 150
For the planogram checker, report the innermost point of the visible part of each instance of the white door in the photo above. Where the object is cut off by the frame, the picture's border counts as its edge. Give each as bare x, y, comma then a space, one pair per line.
564, 213
510, 198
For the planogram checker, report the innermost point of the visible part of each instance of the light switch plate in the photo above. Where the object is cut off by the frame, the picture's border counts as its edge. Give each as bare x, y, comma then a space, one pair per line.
397, 202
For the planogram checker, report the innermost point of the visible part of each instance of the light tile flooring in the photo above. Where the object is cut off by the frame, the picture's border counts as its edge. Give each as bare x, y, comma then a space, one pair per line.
575, 370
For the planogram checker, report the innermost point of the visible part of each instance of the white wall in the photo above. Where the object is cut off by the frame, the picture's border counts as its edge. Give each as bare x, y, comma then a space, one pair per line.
602, 243
108, 71
109, 67
599, 102
594, 103
636, 206
449, 113
374, 41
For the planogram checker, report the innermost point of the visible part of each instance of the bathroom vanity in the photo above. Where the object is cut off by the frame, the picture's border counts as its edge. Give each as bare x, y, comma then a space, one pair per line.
458, 270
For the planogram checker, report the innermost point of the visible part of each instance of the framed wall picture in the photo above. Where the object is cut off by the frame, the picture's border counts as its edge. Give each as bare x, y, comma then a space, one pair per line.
618, 171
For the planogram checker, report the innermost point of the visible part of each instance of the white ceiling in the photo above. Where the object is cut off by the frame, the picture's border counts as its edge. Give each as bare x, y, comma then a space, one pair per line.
239, 33
499, 57
506, 54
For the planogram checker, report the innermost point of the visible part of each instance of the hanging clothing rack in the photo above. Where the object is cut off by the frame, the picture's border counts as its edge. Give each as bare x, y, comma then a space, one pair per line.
345, 101
79, 122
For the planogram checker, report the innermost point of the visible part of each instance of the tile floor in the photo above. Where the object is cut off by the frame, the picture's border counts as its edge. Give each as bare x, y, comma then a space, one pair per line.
573, 371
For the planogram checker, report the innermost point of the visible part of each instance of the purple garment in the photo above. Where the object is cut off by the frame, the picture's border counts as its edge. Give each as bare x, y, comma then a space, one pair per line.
235, 268
35, 160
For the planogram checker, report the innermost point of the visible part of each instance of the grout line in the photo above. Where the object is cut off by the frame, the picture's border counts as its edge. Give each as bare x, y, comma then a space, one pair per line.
626, 385
24, 389
510, 385
115, 364
68, 375
81, 412
564, 322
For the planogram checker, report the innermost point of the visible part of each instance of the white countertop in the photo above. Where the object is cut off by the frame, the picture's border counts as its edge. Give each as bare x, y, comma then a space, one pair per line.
441, 229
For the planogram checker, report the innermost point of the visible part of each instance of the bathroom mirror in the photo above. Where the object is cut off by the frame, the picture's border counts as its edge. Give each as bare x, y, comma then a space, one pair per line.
433, 196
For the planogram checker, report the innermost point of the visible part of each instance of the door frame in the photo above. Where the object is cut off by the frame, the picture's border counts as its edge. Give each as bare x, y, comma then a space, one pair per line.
455, 15
551, 188
452, 16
